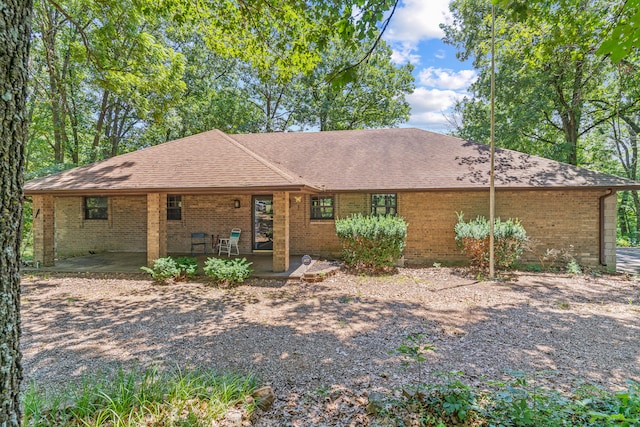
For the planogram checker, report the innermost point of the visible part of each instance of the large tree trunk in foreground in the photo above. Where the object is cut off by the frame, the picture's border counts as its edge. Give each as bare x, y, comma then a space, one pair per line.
15, 28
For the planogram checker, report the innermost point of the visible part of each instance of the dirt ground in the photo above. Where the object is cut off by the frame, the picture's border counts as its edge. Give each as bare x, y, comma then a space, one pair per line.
325, 346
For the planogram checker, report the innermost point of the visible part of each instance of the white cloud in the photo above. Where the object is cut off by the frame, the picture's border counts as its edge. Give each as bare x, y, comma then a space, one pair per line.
423, 99
414, 23
446, 79
417, 20
435, 122
404, 53
430, 108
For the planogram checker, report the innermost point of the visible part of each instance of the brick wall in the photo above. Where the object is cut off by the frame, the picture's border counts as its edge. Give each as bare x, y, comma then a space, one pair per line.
214, 214
557, 219
318, 237
126, 228
281, 230
124, 231
610, 230
44, 230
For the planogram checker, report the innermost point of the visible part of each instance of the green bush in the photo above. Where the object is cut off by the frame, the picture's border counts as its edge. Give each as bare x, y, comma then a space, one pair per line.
163, 269
227, 271
515, 402
188, 266
473, 237
168, 268
371, 243
624, 242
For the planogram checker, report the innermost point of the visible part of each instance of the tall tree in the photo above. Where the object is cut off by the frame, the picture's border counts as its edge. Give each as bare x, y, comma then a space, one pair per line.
374, 95
547, 70
15, 30
617, 147
232, 28
110, 76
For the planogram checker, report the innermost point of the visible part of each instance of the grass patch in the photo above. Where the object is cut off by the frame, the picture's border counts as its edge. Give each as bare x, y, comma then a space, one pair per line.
178, 398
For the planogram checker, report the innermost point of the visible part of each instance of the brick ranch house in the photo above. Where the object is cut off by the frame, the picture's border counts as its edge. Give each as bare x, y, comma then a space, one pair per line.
284, 190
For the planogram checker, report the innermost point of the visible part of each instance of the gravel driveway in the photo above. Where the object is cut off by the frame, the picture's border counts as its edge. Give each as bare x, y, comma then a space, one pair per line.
332, 338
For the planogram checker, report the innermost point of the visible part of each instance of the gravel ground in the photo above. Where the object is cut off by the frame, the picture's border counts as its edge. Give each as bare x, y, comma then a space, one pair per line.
324, 346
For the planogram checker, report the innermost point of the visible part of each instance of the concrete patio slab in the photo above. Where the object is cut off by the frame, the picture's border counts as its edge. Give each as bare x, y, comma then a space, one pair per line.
628, 261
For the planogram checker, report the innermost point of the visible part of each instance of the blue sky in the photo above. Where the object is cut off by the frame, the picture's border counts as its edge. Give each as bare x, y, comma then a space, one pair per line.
415, 35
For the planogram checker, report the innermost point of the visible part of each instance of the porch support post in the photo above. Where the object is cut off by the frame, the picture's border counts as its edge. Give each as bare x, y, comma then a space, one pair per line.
156, 226
43, 230
280, 232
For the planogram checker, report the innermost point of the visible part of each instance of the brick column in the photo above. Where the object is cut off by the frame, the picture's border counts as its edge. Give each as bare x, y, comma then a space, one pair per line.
43, 230
609, 236
280, 232
156, 226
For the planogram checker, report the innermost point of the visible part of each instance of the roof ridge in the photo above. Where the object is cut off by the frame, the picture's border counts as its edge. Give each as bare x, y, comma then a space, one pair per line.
286, 174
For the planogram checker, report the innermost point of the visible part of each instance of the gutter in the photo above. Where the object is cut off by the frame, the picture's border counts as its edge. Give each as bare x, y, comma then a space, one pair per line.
610, 192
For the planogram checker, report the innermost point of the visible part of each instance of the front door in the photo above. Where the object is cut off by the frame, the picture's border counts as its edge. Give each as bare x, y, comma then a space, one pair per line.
262, 223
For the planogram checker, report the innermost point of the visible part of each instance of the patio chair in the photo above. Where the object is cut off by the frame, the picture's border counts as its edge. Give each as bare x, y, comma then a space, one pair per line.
199, 239
226, 244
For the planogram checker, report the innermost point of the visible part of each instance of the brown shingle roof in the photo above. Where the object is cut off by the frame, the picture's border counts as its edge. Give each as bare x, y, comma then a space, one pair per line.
398, 159
385, 159
206, 162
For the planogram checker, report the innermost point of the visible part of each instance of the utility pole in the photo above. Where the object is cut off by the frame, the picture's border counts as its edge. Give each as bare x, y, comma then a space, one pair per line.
492, 187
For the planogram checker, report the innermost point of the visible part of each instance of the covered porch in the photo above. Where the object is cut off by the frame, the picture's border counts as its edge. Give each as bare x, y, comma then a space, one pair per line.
130, 263
140, 226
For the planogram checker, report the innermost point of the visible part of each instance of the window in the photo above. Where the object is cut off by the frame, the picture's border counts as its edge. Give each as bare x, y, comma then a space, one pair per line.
383, 204
321, 207
174, 207
96, 208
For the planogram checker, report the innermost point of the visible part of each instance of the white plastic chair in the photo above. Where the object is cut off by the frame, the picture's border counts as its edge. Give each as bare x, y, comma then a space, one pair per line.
226, 244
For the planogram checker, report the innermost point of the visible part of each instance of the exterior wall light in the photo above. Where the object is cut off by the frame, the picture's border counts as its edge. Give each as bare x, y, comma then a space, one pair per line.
236, 203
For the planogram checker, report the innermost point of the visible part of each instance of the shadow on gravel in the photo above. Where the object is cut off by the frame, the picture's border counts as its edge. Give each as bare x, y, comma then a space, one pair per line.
301, 337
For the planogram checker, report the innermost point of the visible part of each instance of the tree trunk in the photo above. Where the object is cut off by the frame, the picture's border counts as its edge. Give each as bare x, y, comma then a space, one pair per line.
96, 137
56, 84
569, 108
15, 29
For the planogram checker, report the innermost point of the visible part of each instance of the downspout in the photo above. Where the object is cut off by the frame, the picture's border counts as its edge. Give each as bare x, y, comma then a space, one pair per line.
603, 258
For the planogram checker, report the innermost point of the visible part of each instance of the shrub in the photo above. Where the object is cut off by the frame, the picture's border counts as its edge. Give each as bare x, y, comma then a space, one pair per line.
371, 243
188, 266
573, 267
227, 271
623, 242
515, 402
473, 237
550, 257
168, 268
163, 269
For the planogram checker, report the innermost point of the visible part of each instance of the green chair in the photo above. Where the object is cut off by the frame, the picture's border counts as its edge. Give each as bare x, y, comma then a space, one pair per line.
226, 244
